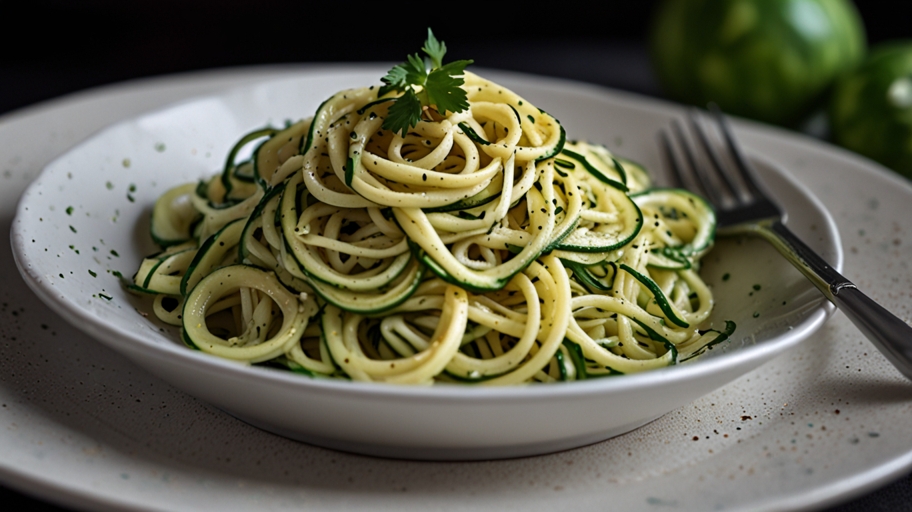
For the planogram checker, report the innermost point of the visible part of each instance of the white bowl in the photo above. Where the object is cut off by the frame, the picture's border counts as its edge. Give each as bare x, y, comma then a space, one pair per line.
86, 217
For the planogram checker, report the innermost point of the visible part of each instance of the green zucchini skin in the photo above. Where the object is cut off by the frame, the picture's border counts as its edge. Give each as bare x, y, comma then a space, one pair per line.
723, 336
250, 226
690, 204
669, 258
590, 281
592, 236
578, 158
173, 224
269, 155
656, 292
229, 171
372, 304
212, 253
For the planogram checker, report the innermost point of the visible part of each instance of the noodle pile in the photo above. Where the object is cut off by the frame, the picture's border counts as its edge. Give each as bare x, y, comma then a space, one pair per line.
478, 247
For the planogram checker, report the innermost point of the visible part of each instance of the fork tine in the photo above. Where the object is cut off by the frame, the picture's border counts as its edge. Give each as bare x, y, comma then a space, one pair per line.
676, 179
710, 151
701, 180
746, 170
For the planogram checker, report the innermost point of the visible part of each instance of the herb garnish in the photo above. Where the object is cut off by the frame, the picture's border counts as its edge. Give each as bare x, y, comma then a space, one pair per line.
424, 84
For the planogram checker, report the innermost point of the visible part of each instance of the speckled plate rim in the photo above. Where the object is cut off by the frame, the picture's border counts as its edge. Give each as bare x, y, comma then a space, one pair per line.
129, 342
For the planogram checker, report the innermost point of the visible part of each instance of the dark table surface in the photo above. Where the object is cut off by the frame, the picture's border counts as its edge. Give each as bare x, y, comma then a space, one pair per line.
132, 47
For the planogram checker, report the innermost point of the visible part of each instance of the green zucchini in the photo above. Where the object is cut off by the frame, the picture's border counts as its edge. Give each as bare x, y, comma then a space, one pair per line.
163, 272
600, 175
657, 293
216, 251
374, 303
672, 203
668, 258
174, 217
230, 170
273, 152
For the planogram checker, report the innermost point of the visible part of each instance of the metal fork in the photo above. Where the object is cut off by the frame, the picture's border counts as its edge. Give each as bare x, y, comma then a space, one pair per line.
742, 206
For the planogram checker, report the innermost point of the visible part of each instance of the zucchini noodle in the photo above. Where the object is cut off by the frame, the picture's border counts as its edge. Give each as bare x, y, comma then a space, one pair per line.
478, 247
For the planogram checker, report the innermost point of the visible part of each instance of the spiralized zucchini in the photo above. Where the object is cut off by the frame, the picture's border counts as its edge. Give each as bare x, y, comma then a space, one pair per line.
478, 247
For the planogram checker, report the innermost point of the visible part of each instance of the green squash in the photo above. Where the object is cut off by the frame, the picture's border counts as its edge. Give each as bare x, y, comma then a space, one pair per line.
770, 60
871, 108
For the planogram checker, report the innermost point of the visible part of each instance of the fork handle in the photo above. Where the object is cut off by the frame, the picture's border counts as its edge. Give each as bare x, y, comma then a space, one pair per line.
889, 334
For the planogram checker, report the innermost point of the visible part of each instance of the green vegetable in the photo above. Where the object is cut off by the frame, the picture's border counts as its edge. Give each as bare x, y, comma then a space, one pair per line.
871, 109
771, 60
423, 88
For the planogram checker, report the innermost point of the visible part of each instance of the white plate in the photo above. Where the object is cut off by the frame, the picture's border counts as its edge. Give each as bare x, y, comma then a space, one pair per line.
94, 202
87, 427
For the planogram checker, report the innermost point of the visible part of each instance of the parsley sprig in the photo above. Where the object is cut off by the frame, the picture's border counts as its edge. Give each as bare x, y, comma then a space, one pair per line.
424, 84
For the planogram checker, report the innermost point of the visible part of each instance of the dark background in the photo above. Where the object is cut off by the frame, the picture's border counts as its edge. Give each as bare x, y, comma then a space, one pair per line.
51, 48
96, 42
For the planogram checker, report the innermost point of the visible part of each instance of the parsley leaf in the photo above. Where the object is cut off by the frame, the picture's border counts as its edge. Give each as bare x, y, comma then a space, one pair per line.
404, 113
402, 75
434, 49
443, 89
424, 85
396, 78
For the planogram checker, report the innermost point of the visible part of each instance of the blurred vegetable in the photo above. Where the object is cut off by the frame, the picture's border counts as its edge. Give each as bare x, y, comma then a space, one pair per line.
770, 60
871, 109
